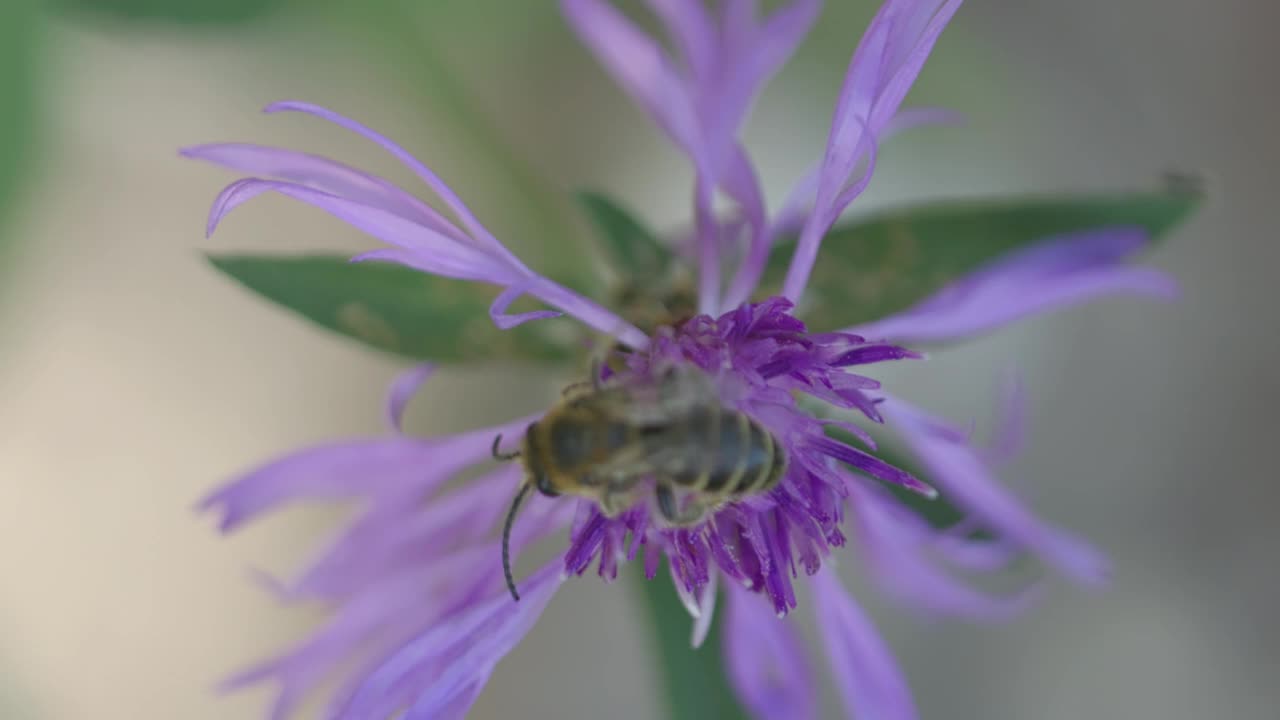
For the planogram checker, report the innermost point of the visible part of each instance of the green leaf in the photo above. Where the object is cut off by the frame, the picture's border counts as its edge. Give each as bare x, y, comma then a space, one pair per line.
195, 12
633, 249
397, 309
21, 29
693, 680
877, 266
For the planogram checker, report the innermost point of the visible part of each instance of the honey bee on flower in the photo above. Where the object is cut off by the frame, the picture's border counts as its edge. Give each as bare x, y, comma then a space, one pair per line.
697, 445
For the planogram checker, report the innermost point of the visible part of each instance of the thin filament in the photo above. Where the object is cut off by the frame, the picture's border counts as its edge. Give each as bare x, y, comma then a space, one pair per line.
506, 541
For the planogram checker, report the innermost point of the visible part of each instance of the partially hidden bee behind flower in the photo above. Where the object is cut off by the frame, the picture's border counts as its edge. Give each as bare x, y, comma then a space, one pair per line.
612, 441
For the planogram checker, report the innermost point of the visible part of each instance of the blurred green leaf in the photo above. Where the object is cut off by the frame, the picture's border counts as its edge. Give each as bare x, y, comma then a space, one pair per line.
397, 309
694, 680
21, 29
631, 247
194, 12
871, 268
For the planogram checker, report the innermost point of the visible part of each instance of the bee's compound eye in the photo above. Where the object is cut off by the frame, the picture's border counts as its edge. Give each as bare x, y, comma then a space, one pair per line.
543, 483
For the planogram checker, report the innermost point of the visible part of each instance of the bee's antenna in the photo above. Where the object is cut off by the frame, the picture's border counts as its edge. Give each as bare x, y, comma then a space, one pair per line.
501, 456
506, 539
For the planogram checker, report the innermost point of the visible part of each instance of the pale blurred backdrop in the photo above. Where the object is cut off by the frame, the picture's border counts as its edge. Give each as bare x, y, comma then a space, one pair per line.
134, 378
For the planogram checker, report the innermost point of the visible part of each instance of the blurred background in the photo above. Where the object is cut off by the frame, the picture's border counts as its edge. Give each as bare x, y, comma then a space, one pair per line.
134, 378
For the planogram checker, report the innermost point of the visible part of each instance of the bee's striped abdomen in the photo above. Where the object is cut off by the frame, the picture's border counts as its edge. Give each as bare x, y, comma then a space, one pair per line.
765, 463
733, 455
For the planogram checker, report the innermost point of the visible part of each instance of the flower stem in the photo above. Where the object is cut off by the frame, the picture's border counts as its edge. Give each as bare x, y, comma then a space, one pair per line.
693, 680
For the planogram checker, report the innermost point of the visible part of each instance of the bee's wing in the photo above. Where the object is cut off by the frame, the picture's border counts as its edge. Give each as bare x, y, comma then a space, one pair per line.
674, 394
646, 452
622, 470
656, 408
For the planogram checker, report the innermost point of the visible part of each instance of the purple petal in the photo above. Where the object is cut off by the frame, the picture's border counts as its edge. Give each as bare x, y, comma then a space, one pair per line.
832, 197
846, 139
706, 611
871, 465
742, 184
916, 47
687, 599
852, 190
747, 59
438, 186
435, 670
960, 471
403, 388
912, 118
882, 70
498, 310
900, 547
1010, 423
325, 472
791, 216
957, 545
449, 257
456, 705
399, 568
707, 233
780, 34
862, 79
587, 311
691, 30
1055, 273
378, 613
423, 242
352, 469
868, 677
430, 264
433, 264
324, 174
765, 659
851, 428
729, 63
875, 353
395, 535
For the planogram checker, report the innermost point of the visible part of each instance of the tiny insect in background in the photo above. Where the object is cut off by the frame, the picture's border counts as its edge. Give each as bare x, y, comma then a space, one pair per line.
613, 442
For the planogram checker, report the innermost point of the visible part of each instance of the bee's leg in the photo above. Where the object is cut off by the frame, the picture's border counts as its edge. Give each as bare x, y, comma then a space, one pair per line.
597, 367
615, 501
691, 514
667, 503
611, 504
580, 388
498, 454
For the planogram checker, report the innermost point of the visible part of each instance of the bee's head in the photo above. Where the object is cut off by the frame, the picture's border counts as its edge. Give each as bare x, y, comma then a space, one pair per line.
538, 475
537, 478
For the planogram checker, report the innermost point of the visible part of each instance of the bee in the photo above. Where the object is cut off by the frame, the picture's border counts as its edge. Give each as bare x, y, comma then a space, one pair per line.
654, 304
611, 442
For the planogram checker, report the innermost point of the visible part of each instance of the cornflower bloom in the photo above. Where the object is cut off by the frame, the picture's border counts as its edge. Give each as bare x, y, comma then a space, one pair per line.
420, 614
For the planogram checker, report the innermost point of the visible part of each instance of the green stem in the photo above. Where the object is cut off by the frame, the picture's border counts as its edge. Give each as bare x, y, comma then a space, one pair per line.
693, 680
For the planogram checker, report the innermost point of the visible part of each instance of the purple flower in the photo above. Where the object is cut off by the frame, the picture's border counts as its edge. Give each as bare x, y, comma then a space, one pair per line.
420, 614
